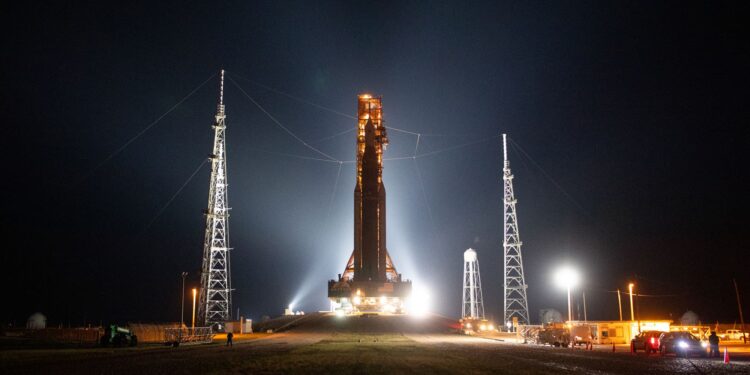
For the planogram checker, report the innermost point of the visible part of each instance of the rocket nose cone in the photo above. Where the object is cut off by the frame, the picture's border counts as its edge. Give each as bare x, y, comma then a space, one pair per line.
369, 132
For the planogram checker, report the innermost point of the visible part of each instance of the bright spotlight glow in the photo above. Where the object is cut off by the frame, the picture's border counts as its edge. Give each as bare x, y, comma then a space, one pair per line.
356, 300
339, 313
491, 327
383, 299
682, 344
567, 277
418, 304
704, 344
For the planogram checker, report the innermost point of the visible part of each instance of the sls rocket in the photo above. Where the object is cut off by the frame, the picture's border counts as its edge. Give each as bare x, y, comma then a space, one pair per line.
370, 252
370, 282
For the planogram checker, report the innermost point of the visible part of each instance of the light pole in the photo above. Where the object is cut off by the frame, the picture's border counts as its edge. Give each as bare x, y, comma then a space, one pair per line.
739, 307
632, 314
619, 303
182, 304
585, 318
567, 278
195, 293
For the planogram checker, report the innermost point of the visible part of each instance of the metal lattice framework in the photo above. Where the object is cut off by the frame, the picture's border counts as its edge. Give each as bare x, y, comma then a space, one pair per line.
515, 301
216, 289
473, 307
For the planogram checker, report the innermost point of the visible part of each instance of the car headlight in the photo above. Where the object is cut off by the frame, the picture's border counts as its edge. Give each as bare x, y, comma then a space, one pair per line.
704, 344
682, 344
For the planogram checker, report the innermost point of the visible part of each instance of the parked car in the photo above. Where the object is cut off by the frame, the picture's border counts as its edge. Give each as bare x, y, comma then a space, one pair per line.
732, 334
681, 343
647, 340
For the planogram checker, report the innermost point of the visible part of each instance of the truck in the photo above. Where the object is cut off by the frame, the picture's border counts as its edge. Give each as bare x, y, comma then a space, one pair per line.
472, 326
581, 334
118, 336
554, 335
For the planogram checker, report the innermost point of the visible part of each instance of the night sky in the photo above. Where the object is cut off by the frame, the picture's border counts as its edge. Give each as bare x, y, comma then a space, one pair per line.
626, 121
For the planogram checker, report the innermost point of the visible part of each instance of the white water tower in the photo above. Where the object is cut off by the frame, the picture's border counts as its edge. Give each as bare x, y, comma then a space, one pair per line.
473, 308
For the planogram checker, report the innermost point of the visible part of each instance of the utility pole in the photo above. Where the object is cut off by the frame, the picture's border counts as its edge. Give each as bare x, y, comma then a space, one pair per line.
585, 318
515, 303
216, 282
632, 313
619, 302
182, 301
739, 307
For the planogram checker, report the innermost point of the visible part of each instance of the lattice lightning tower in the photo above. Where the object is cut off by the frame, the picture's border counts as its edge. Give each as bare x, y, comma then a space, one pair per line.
216, 287
473, 307
515, 301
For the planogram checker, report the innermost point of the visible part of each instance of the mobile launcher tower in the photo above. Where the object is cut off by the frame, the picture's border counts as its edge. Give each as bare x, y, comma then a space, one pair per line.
370, 282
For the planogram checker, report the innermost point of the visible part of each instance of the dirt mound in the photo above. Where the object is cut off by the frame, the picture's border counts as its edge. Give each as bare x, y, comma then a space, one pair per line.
280, 323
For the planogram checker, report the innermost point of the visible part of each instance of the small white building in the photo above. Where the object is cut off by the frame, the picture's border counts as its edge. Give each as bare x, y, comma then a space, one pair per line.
240, 326
621, 332
36, 321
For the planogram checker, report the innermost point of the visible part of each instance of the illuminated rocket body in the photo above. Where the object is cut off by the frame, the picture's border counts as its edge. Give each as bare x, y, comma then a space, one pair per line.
370, 281
369, 256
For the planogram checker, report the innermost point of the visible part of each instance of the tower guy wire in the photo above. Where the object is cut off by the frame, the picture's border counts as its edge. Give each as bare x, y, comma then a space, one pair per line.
277, 122
334, 111
333, 195
552, 180
424, 196
166, 205
143, 131
333, 135
294, 97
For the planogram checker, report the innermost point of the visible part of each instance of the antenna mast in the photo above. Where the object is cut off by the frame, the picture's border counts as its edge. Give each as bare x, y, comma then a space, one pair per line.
515, 302
216, 287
